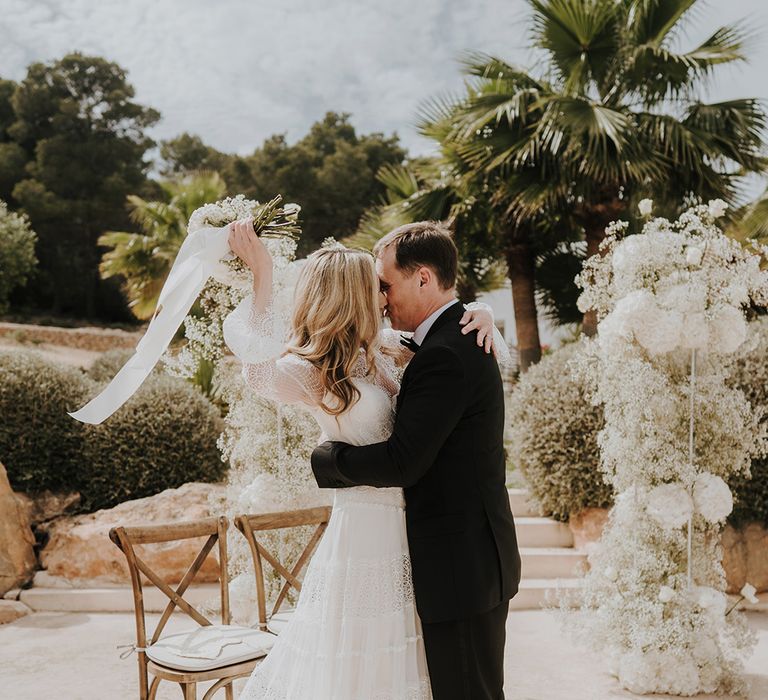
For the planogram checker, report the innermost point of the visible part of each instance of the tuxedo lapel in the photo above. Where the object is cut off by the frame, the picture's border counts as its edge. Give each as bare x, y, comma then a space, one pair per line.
451, 314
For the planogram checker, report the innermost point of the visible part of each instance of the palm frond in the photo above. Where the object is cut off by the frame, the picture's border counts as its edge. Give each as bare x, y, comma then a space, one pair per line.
653, 21
556, 290
399, 180
581, 36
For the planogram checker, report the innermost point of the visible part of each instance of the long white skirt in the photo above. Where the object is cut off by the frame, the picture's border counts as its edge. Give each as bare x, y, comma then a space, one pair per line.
355, 634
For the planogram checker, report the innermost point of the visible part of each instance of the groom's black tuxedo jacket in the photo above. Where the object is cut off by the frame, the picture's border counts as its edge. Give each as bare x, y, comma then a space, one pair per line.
446, 452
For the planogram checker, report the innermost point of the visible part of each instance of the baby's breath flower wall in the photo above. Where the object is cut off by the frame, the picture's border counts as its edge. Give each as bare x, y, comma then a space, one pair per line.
672, 303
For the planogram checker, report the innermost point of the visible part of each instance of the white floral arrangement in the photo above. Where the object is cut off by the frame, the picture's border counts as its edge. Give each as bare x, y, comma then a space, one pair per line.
267, 446
672, 305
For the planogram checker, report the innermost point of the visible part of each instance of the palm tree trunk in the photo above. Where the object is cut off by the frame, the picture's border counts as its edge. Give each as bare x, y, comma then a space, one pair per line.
522, 275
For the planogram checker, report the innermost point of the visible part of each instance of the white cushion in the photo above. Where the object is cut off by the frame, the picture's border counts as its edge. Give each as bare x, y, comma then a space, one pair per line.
206, 648
278, 621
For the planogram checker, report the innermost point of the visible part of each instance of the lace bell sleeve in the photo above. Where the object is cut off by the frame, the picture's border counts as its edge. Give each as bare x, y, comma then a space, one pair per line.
503, 355
257, 339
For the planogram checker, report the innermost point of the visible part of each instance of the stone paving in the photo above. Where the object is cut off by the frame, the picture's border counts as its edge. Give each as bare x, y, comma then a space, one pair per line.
73, 656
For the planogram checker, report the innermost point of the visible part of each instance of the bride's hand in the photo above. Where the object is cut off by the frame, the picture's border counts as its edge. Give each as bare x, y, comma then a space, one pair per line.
244, 243
480, 320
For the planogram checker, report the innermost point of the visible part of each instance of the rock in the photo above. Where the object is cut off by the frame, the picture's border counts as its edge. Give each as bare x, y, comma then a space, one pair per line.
47, 505
17, 556
11, 610
80, 551
745, 557
587, 526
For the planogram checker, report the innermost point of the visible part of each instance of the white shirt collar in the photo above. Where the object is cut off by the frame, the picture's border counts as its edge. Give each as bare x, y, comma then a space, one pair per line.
423, 328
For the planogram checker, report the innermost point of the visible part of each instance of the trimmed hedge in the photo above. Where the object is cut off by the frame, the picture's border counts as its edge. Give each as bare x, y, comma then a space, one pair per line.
163, 437
750, 374
40, 444
553, 430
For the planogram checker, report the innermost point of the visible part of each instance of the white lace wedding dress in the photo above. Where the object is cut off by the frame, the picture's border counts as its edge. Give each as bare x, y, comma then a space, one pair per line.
355, 634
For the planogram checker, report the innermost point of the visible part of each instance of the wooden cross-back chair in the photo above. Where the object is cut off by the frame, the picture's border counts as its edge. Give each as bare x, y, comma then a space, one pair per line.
250, 526
183, 657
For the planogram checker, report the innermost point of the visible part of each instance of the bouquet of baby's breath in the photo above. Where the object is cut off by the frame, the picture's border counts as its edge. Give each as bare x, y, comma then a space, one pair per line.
278, 225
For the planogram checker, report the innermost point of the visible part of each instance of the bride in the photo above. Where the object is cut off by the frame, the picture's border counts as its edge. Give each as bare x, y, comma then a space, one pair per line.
355, 634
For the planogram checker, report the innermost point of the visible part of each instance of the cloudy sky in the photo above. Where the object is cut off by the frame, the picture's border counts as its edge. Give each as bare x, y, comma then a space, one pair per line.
236, 71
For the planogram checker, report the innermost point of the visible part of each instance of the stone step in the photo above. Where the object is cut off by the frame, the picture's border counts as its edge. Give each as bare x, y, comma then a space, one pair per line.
535, 593
113, 599
542, 532
522, 505
551, 562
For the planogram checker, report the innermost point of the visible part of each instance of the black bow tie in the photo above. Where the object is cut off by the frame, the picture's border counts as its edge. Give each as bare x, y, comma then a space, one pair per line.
410, 343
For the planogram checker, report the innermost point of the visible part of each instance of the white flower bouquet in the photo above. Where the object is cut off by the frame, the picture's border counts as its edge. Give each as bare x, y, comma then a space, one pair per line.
231, 281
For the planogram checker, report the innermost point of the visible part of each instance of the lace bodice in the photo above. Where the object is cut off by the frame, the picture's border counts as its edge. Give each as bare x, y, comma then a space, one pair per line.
286, 378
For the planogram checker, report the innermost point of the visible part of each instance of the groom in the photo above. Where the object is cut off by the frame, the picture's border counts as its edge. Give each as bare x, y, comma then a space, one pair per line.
446, 452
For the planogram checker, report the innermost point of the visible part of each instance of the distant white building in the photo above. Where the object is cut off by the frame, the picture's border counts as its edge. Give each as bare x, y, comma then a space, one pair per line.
500, 300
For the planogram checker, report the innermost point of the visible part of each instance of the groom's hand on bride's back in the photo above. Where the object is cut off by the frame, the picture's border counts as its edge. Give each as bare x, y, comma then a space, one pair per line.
481, 321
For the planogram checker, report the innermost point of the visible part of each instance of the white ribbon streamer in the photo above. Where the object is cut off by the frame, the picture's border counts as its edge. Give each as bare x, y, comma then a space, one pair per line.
199, 257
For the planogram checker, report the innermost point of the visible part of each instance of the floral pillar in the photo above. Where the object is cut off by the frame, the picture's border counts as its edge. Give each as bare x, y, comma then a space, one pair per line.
672, 304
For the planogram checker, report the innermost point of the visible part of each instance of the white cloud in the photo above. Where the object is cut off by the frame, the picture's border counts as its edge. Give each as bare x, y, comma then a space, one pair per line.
237, 71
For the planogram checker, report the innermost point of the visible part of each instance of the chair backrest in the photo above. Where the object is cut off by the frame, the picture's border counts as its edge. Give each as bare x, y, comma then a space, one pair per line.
215, 529
250, 525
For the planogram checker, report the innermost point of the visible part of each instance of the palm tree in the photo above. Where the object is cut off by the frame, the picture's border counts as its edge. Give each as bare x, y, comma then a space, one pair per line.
425, 189
144, 259
533, 247
613, 116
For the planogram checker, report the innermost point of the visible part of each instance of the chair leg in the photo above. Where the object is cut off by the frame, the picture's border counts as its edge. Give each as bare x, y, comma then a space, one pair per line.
229, 692
153, 688
189, 690
143, 677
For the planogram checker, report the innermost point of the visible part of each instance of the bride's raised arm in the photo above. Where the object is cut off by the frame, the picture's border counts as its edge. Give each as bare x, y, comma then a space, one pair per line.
256, 335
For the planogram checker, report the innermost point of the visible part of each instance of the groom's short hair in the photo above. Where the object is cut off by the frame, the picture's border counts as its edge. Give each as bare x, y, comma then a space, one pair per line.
424, 243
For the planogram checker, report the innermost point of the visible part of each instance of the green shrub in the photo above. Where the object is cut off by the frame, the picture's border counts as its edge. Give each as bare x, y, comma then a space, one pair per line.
17, 252
751, 376
553, 437
163, 437
109, 363
40, 444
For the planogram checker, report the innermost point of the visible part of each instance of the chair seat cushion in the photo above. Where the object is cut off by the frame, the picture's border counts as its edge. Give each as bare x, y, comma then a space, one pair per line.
278, 621
206, 648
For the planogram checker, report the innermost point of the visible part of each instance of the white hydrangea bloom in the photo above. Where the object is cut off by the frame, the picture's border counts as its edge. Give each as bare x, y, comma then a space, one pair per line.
670, 505
712, 498
645, 207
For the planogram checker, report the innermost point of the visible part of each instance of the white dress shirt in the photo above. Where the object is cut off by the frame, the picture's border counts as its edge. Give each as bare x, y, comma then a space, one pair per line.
423, 328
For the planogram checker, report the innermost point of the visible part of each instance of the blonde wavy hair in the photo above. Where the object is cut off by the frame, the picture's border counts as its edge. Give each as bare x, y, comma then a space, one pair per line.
336, 313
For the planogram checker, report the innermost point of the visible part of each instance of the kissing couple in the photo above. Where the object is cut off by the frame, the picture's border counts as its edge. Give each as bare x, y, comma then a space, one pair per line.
407, 594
